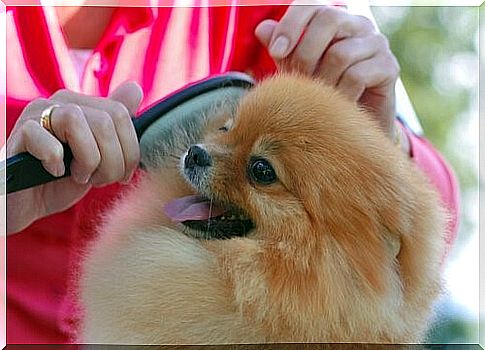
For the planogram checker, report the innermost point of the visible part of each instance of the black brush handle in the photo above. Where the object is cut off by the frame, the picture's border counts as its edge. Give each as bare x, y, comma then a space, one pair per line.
25, 171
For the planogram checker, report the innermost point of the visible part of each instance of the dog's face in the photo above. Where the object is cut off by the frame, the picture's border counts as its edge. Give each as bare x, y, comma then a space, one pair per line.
295, 162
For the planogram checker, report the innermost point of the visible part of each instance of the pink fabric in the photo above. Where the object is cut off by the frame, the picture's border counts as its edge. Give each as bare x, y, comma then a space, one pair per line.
162, 49
442, 177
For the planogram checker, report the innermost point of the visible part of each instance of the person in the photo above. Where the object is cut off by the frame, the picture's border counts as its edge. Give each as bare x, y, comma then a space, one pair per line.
89, 68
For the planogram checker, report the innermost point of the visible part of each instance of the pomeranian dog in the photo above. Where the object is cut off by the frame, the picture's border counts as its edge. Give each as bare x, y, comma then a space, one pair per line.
294, 219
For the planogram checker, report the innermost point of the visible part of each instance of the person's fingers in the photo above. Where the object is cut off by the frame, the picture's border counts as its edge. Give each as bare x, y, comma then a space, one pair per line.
120, 105
289, 29
111, 167
130, 94
42, 145
348, 52
373, 73
300, 39
33, 111
264, 31
69, 124
93, 138
320, 32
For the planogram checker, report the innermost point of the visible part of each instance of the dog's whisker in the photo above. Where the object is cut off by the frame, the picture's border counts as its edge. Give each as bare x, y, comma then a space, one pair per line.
210, 214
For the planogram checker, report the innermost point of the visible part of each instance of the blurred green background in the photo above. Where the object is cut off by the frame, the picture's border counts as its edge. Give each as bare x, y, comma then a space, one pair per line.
437, 48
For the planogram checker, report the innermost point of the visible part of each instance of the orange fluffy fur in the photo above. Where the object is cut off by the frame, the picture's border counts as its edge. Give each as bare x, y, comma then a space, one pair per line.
347, 244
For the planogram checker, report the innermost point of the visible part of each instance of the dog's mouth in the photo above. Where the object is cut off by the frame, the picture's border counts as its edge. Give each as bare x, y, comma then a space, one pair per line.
210, 218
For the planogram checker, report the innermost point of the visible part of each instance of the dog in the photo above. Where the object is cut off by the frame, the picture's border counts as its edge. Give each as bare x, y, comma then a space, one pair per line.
294, 218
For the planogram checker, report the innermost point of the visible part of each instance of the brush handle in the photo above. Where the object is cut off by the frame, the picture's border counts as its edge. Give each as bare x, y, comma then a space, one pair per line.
25, 171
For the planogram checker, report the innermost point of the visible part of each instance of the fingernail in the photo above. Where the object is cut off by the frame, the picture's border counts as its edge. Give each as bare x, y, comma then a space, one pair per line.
82, 178
60, 169
279, 47
51, 168
128, 179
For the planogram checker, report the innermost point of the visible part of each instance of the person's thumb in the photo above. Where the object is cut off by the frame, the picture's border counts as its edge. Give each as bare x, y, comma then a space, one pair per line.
264, 31
130, 94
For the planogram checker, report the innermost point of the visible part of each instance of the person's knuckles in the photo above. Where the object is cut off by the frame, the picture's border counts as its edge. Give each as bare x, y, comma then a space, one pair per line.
61, 95
119, 113
47, 149
338, 56
386, 71
349, 25
329, 17
32, 111
356, 76
103, 126
35, 107
364, 23
350, 51
112, 165
378, 42
325, 17
27, 129
122, 122
67, 121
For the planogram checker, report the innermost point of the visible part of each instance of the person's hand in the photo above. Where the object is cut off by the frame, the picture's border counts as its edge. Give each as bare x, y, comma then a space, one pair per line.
344, 50
101, 136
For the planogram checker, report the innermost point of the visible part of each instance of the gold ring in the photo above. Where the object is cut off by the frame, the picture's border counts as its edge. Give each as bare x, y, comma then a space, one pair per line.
45, 118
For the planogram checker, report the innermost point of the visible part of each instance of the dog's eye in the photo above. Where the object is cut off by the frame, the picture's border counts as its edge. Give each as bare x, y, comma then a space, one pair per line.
223, 129
261, 171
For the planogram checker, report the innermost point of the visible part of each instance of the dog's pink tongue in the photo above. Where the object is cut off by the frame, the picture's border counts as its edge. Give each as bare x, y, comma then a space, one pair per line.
192, 208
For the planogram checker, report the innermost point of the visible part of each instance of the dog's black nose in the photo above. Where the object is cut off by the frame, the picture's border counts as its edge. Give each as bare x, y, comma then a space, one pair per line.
197, 156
